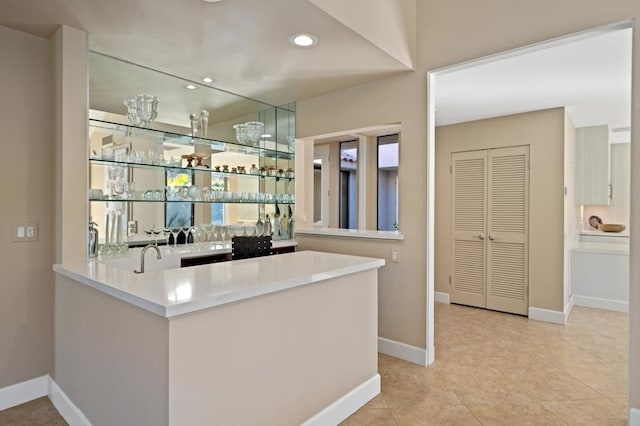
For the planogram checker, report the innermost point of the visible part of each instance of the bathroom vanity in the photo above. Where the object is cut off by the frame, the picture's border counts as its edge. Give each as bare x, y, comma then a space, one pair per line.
274, 340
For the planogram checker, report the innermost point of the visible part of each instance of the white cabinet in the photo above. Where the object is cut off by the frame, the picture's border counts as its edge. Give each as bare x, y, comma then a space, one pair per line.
600, 276
593, 172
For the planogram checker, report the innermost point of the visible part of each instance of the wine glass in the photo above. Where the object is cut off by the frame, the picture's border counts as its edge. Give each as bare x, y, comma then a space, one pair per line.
166, 231
208, 231
192, 230
175, 232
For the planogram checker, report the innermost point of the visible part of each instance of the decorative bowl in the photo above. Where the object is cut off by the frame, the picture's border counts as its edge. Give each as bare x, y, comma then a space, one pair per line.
611, 227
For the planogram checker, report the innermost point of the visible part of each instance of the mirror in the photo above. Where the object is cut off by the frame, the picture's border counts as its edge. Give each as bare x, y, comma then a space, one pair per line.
111, 82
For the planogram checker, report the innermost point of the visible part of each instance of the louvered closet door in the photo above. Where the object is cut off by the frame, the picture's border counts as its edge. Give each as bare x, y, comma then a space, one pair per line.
508, 230
468, 221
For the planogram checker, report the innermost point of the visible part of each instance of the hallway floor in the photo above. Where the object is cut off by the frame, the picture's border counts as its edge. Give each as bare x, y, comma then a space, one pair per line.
499, 369
491, 369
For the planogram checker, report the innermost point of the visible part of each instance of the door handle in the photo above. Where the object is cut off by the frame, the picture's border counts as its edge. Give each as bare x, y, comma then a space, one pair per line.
479, 236
491, 237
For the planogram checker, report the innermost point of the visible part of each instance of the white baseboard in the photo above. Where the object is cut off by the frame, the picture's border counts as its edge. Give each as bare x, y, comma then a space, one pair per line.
634, 417
403, 351
65, 407
567, 309
597, 302
441, 297
24, 392
546, 315
347, 405
37, 388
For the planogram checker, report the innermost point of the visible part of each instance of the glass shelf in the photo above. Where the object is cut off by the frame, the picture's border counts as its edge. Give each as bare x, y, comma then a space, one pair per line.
269, 149
172, 167
113, 200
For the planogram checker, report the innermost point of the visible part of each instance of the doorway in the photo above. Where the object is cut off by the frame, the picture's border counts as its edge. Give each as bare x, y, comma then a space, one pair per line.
433, 78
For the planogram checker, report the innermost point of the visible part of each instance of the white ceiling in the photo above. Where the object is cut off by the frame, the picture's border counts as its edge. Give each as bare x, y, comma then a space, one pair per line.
242, 44
590, 76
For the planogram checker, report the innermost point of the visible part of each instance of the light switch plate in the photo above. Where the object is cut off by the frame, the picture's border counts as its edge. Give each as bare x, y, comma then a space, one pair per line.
395, 255
24, 232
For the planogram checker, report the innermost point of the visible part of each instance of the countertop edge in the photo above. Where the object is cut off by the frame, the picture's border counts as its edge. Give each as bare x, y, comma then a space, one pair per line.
112, 291
188, 307
352, 233
169, 311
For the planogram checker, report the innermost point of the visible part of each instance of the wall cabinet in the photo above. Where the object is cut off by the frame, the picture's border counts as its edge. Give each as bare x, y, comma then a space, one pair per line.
593, 173
146, 180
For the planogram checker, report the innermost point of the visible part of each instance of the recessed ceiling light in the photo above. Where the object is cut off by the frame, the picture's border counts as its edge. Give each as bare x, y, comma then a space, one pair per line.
190, 87
304, 40
212, 1
207, 79
265, 136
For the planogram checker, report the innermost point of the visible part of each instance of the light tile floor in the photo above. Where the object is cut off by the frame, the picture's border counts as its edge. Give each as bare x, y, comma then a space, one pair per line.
499, 369
491, 369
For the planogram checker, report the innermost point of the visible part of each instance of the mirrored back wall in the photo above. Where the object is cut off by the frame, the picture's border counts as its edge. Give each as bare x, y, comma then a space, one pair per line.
113, 80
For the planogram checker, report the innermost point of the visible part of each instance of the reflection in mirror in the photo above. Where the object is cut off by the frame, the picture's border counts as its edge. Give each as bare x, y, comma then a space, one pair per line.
317, 188
349, 185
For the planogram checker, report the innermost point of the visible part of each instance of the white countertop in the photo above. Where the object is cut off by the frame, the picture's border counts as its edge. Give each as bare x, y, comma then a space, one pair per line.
352, 233
179, 291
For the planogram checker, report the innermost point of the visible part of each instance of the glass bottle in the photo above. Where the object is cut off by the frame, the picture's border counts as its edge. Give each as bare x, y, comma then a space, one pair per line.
267, 226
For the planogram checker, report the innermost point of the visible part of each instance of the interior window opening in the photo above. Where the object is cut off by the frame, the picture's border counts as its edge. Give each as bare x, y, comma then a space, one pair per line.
388, 150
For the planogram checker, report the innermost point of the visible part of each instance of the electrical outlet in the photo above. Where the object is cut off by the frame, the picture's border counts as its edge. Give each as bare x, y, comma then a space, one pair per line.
395, 255
132, 227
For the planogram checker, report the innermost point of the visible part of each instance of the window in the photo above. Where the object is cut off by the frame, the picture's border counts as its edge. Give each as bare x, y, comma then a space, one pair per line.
388, 182
348, 185
178, 215
355, 179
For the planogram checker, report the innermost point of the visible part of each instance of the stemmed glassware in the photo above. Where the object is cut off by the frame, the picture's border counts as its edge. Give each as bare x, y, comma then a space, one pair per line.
254, 131
166, 231
156, 232
249, 132
132, 111
141, 110
175, 232
242, 135
191, 230
147, 109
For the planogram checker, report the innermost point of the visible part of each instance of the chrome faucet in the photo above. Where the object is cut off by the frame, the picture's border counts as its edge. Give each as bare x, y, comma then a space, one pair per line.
144, 250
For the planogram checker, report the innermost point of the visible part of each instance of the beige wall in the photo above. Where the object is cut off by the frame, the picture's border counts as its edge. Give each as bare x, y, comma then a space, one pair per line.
543, 131
395, 291
70, 112
25, 170
450, 32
